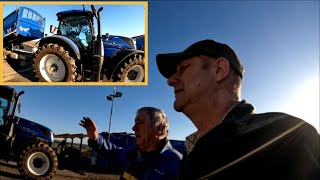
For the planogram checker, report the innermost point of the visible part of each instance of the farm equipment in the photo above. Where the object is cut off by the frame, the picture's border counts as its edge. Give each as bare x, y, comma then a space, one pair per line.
140, 42
21, 29
23, 141
75, 53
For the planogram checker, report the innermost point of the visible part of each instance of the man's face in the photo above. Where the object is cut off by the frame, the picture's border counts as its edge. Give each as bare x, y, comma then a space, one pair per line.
191, 82
144, 131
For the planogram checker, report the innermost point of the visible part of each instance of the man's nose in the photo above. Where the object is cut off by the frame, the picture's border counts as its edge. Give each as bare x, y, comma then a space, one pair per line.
134, 127
173, 79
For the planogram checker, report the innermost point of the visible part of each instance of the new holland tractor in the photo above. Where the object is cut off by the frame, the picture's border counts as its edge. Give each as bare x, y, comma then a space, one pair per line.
76, 54
23, 141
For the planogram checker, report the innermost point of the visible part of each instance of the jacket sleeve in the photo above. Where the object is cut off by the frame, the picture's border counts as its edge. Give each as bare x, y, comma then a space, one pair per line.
102, 146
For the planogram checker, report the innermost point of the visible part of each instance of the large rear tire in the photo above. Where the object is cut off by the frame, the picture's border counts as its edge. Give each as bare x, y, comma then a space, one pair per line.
54, 64
131, 70
38, 161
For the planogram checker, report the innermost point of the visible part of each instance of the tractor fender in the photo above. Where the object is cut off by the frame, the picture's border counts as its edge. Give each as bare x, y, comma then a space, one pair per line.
35, 140
63, 41
112, 64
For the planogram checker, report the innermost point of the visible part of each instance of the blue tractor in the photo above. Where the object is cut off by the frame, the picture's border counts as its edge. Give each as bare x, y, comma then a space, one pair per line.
76, 54
23, 141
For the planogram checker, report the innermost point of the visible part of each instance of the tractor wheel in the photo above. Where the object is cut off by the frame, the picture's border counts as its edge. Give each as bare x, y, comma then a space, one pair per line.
130, 70
38, 161
54, 64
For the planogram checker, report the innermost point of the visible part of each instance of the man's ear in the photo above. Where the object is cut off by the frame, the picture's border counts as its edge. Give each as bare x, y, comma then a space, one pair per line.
222, 70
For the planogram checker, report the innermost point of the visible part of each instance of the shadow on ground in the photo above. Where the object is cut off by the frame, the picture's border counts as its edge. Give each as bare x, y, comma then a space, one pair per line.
8, 174
23, 68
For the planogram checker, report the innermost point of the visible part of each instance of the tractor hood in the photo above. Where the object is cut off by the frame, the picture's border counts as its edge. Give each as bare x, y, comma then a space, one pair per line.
28, 130
64, 14
119, 42
115, 43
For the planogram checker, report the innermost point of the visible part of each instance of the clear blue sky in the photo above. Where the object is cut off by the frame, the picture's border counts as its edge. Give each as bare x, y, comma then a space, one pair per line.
120, 19
278, 43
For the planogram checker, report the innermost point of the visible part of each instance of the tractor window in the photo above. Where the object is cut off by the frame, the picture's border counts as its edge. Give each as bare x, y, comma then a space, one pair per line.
3, 110
78, 29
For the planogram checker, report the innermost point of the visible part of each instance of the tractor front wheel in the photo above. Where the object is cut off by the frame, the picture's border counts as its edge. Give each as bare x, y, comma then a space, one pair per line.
131, 70
38, 161
54, 64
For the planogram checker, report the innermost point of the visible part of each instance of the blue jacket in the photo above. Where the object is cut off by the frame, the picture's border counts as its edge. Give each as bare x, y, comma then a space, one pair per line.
161, 165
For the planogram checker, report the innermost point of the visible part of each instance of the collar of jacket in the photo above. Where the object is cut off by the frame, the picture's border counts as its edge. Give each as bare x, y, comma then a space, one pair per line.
167, 146
240, 114
235, 120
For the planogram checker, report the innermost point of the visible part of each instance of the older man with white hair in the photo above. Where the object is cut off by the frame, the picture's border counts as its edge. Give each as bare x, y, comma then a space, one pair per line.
155, 158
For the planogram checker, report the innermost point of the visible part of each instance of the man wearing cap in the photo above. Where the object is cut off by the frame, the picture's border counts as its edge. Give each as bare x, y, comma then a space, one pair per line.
232, 141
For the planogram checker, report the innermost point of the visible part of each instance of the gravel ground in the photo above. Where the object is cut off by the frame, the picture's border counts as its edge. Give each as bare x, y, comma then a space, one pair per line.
8, 171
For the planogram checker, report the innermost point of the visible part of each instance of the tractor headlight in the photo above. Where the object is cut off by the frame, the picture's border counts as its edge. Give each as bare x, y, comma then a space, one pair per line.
47, 133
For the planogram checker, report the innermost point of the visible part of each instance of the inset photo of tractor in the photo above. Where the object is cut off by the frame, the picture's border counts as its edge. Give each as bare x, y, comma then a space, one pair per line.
75, 43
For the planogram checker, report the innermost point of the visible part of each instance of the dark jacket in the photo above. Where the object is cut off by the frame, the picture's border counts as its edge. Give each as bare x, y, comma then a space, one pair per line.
256, 146
161, 165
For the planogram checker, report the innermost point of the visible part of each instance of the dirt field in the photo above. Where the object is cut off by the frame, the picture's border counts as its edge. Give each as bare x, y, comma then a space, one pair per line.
8, 171
24, 74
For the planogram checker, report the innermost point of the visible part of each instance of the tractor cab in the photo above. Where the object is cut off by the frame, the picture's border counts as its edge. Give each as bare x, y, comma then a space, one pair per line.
7, 104
78, 26
9, 101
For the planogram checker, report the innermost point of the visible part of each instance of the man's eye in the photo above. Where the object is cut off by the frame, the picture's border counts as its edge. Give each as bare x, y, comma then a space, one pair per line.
183, 68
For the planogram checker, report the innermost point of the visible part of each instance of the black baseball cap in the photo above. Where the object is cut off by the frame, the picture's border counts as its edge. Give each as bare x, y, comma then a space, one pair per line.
167, 63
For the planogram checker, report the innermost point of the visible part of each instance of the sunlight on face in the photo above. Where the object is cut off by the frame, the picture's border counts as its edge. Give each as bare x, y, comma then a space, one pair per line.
305, 103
